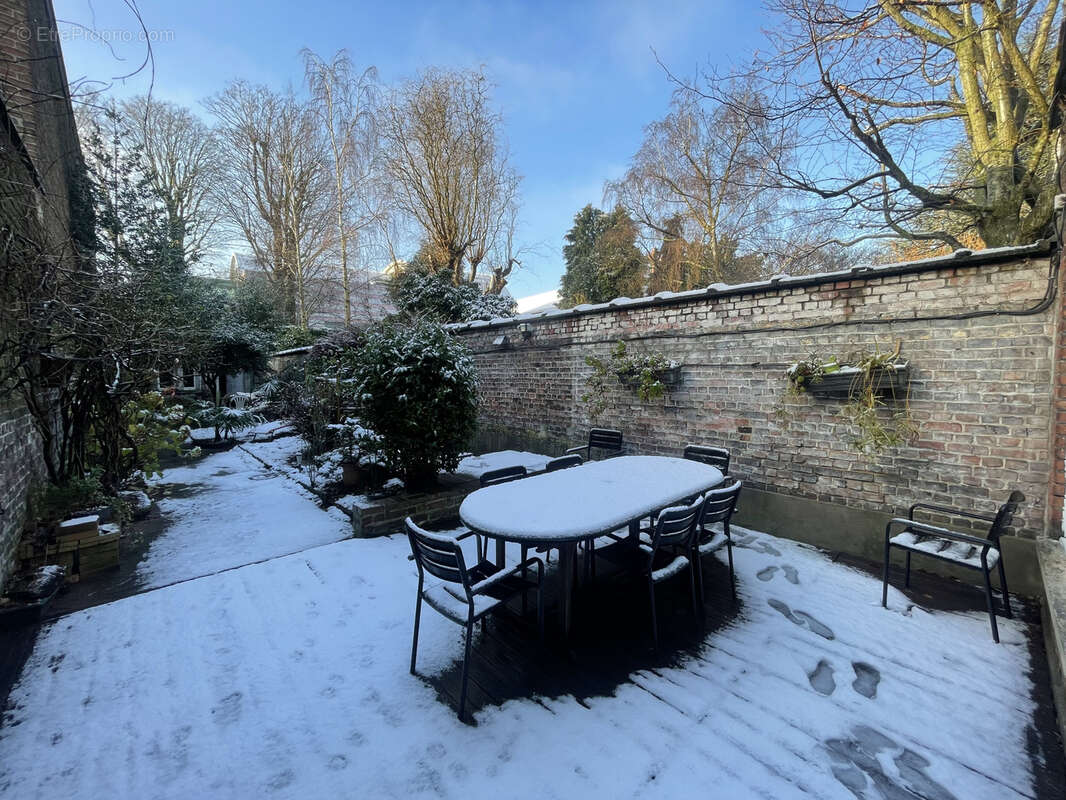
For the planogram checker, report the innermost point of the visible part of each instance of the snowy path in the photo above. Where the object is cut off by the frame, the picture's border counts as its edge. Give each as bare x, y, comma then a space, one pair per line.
228, 510
289, 679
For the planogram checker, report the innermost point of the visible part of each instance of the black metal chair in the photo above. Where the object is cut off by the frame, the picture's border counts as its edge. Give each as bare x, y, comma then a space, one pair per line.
466, 594
714, 456
564, 462
718, 507
662, 555
604, 439
962, 549
502, 475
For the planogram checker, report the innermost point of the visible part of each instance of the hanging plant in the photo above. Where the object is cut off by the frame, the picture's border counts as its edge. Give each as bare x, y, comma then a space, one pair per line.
650, 374
863, 381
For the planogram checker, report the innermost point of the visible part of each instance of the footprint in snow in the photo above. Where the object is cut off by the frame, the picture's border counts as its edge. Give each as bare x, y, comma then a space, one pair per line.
866, 679
228, 709
860, 760
767, 573
821, 678
802, 619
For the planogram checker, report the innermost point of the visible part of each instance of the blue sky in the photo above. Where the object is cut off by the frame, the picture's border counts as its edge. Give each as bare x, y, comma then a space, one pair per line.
576, 82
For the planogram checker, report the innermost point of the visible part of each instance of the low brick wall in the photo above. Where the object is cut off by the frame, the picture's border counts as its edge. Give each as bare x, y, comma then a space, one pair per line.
978, 330
20, 465
381, 517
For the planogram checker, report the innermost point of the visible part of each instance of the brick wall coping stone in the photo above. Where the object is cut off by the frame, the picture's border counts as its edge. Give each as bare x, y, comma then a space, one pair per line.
959, 258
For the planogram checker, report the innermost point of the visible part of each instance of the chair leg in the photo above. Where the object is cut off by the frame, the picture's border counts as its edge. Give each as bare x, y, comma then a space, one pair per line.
692, 584
525, 554
884, 576
540, 610
1003, 587
697, 561
907, 572
732, 577
414, 641
654, 617
991, 607
466, 669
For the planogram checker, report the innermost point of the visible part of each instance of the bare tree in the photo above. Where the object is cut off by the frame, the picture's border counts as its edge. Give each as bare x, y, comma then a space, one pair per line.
697, 180
448, 164
183, 155
915, 120
277, 188
346, 103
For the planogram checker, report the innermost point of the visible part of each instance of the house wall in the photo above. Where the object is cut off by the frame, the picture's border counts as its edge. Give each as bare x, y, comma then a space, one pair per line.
978, 331
40, 170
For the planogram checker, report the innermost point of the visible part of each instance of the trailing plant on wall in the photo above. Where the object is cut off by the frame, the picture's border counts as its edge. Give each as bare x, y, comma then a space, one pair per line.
645, 372
866, 379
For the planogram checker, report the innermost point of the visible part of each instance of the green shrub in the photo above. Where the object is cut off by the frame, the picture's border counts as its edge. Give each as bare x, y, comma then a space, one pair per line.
416, 388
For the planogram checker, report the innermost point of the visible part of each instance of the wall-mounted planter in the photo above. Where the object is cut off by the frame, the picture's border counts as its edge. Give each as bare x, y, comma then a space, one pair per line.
669, 377
846, 383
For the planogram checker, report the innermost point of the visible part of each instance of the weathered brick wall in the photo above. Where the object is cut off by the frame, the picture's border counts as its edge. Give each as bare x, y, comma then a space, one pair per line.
40, 164
981, 389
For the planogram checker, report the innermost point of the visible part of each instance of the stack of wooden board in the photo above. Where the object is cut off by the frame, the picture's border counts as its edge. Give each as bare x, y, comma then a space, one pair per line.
80, 545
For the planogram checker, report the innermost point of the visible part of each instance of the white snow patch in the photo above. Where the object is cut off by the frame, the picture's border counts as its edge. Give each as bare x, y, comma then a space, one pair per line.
476, 466
289, 678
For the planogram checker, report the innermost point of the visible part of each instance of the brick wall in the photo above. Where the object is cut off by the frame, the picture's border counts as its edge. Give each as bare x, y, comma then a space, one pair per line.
40, 162
981, 389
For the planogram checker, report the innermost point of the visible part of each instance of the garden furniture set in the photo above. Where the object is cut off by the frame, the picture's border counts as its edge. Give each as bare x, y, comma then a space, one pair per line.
655, 516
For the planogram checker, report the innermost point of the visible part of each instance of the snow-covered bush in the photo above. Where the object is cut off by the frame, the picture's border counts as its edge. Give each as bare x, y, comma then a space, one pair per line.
227, 421
416, 388
433, 295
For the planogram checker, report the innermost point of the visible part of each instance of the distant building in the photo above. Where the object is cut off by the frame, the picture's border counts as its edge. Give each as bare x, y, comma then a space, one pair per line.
369, 293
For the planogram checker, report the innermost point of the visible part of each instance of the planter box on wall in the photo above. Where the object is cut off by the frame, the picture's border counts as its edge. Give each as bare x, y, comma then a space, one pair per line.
847, 383
668, 377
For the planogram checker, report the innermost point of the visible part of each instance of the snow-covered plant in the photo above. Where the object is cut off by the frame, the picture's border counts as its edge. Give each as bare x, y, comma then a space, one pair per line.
416, 388
228, 421
433, 295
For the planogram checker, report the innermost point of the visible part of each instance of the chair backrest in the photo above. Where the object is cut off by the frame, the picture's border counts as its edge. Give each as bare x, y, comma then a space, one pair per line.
719, 504
1005, 516
676, 524
605, 439
564, 462
436, 554
502, 475
715, 456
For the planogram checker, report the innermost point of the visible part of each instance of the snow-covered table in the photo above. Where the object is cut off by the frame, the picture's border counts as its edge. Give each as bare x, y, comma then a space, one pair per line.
562, 508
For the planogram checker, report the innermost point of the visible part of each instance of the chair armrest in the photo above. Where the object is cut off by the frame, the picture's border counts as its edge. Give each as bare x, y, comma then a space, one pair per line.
934, 530
467, 535
578, 449
954, 512
481, 586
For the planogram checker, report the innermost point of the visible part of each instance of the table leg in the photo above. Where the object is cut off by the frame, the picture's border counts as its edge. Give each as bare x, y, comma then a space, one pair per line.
566, 587
634, 532
501, 553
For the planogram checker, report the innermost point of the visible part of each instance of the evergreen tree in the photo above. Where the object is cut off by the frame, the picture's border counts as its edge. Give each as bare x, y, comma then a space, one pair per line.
602, 258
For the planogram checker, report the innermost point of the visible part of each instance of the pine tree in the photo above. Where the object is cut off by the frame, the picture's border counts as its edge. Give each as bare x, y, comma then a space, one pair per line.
602, 258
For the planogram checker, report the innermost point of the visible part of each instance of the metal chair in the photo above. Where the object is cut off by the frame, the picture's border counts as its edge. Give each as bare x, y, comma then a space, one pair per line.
717, 457
962, 549
664, 554
466, 594
718, 507
600, 439
564, 462
502, 475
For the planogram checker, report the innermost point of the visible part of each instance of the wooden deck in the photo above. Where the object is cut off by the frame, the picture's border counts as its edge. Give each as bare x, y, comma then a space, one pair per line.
610, 647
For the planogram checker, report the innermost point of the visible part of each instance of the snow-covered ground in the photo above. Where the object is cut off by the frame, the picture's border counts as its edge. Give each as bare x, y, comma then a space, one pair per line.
227, 510
289, 678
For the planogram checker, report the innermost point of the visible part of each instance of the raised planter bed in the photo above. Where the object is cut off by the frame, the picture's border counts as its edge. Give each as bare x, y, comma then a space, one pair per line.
29, 597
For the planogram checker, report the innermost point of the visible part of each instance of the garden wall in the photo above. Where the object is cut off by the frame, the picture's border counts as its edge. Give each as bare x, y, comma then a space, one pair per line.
41, 173
977, 328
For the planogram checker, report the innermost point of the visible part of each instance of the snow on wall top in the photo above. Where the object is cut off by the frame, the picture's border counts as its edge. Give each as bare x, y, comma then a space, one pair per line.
957, 258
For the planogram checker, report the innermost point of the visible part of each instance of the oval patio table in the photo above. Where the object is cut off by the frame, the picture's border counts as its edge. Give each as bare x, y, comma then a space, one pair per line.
559, 509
